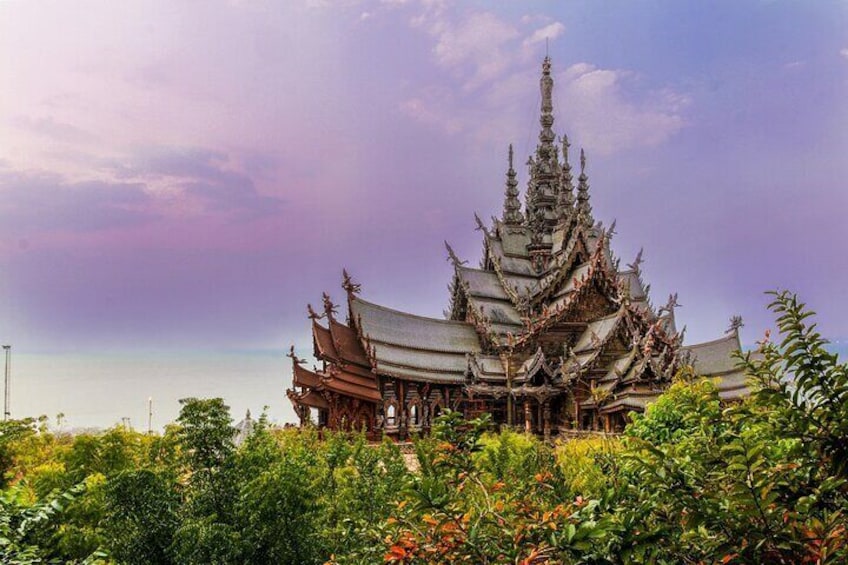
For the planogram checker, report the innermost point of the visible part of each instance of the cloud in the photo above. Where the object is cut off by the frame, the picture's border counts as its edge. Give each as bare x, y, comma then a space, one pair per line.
607, 110
472, 45
32, 202
51, 128
156, 184
606, 115
844, 52
200, 180
429, 108
550, 31
492, 59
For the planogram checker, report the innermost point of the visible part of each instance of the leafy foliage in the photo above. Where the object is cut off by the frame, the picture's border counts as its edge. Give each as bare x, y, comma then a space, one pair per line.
692, 481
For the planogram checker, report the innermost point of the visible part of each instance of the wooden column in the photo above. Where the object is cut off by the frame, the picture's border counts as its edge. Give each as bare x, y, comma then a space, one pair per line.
546, 410
528, 417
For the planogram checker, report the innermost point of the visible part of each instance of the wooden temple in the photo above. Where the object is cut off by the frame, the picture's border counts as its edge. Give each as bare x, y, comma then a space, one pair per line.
549, 334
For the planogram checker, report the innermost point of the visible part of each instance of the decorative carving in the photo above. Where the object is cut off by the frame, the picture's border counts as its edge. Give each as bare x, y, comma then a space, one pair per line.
330, 309
735, 323
348, 285
452, 256
312, 314
637, 262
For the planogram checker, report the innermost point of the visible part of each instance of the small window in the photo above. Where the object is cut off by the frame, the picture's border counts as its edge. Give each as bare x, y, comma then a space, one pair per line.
437, 410
391, 415
413, 415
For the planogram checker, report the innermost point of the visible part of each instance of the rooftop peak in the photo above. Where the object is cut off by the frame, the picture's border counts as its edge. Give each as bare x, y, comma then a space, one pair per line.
546, 120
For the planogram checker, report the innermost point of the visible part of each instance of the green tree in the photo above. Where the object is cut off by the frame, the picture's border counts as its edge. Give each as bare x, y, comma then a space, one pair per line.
207, 531
139, 525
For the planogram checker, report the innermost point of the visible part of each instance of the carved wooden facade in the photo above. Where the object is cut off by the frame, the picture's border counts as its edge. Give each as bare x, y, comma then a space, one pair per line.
549, 334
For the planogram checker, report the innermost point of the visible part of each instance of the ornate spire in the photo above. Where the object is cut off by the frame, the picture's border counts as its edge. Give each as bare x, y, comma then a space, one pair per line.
584, 209
512, 205
543, 186
565, 197
546, 120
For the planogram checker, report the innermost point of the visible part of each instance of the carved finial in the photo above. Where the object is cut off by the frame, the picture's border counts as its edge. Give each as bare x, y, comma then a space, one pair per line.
291, 355
637, 262
611, 231
671, 304
313, 315
735, 323
452, 256
329, 307
348, 285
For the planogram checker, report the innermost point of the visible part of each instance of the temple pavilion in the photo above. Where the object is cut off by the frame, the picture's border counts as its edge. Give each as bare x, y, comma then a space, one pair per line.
549, 334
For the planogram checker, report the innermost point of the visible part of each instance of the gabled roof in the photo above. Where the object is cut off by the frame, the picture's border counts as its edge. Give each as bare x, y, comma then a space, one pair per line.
322, 342
715, 357
598, 332
347, 344
352, 382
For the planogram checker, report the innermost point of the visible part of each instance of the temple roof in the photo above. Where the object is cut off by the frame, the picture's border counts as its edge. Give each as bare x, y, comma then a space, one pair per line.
393, 327
716, 359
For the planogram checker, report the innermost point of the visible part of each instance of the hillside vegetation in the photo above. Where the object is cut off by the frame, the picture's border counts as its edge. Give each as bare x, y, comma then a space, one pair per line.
691, 481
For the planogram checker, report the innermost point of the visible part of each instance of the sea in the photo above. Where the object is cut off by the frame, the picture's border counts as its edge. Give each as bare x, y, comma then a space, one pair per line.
84, 391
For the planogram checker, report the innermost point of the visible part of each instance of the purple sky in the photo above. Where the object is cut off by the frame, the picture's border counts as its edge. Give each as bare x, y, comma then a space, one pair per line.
189, 175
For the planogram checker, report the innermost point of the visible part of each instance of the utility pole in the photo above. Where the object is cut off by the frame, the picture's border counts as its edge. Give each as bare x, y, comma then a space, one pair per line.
6, 412
149, 414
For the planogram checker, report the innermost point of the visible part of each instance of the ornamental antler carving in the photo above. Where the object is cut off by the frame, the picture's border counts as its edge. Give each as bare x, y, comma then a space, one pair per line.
671, 304
735, 323
480, 225
452, 256
637, 262
329, 308
313, 315
348, 285
291, 355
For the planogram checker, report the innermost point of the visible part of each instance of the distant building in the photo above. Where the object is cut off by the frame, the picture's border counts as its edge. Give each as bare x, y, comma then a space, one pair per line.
549, 333
243, 429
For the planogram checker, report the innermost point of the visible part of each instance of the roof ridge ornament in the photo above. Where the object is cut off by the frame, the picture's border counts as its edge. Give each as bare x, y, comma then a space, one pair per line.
635, 266
348, 285
481, 226
312, 314
735, 323
452, 256
295, 359
670, 305
330, 309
